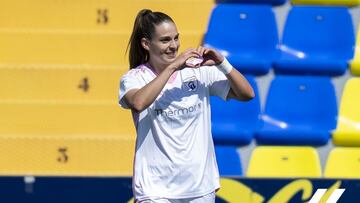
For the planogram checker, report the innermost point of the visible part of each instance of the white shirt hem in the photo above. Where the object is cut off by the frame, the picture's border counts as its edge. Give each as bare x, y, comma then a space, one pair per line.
192, 195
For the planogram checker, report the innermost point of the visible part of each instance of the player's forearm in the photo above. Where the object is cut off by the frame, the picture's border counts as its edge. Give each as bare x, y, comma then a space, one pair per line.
145, 96
240, 87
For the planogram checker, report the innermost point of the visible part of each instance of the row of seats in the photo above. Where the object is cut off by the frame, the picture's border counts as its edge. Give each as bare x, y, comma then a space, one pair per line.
311, 2
271, 2
299, 110
290, 162
316, 40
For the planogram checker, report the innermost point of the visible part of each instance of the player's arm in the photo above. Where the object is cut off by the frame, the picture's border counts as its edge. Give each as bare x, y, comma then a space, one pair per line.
140, 99
240, 87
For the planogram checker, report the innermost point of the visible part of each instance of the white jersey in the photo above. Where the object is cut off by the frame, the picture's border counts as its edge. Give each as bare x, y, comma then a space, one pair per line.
174, 155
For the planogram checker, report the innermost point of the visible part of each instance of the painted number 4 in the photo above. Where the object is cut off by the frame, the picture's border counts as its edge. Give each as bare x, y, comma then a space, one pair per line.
84, 84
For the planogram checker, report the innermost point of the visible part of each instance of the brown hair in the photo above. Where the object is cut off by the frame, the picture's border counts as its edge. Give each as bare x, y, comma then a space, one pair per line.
144, 26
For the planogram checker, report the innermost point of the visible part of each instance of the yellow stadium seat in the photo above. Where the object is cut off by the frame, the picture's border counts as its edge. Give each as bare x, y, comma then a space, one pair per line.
343, 162
66, 155
347, 132
60, 83
72, 48
284, 162
328, 2
57, 117
355, 63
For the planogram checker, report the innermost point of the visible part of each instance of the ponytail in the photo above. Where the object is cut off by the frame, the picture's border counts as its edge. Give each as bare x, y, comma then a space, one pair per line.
144, 27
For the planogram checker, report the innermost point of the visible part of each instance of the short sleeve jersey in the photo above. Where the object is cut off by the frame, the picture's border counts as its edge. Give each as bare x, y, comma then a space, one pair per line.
174, 156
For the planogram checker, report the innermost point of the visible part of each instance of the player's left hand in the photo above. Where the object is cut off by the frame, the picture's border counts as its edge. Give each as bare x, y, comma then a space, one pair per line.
211, 56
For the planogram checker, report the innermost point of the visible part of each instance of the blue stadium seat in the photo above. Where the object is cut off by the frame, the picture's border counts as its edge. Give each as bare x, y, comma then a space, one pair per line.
317, 41
245, 34
234, 122
228, 161
272, 2
300, 110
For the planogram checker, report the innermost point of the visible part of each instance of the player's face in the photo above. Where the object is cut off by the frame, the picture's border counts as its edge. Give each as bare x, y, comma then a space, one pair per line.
164, 45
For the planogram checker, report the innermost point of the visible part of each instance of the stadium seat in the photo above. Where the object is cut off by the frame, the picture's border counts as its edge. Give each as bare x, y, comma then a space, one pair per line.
284, 162
228, 160
245, 34
272, 2
355, 63
234, 122
347, 132
59, 83
300, 110
73, 154
316, 40
343, 162
327, 2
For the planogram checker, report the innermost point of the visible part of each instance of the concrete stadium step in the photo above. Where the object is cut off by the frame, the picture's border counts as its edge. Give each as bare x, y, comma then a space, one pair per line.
59, 83
100, 14
95, 48
63, 48
63, 118
75, 155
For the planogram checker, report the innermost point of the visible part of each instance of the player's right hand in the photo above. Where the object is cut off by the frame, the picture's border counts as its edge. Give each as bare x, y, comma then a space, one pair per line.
180, 61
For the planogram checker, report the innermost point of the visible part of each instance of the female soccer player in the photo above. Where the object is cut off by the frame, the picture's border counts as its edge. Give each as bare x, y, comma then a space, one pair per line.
169, 96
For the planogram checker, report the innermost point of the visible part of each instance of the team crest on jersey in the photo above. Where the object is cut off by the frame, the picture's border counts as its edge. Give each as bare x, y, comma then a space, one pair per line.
190, 84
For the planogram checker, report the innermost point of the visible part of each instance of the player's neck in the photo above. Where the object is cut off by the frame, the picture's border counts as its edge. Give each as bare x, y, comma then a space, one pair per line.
156, 67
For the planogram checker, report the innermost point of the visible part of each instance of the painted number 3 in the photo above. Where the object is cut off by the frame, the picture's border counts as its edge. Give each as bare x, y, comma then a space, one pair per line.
63, 156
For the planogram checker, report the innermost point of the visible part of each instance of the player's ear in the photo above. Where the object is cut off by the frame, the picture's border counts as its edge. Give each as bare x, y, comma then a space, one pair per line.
145, 43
